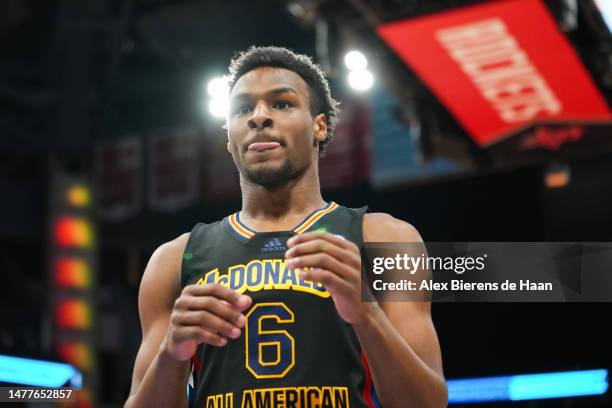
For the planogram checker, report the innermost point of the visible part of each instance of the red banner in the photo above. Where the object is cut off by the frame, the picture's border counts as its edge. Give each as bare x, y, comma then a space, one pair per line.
173, 169
118, 177
497, 66
346, 160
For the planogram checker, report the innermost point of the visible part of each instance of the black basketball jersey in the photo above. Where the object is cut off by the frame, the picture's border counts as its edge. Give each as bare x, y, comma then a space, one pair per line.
295, 350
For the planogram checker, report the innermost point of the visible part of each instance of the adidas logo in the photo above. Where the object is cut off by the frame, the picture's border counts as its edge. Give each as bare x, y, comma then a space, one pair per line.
274, 246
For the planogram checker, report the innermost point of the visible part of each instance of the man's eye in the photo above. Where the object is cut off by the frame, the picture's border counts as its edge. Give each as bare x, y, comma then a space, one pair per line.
241, 110
282, 105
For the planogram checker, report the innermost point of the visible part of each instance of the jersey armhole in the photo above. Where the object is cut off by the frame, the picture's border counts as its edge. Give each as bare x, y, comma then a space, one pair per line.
187, 252
358, 225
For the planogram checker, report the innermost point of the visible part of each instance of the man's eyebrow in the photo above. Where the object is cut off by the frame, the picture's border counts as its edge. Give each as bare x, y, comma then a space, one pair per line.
275, 91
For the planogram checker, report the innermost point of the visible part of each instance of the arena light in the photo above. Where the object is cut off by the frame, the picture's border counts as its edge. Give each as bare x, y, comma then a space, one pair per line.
74, 314
557, 385
77, 353
605, 6
355, 61
557, 175
78, 196
472, 390
72, 231
71, 279
217, 87
38, 373
359, 77
218, 108
72, 272
528, 386
361, 80
218, 91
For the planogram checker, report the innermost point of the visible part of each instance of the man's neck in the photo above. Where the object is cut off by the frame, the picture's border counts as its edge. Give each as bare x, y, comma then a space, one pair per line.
282, 208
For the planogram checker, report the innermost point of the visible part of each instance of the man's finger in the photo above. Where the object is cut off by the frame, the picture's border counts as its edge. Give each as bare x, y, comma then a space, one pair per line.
322, 261
218, 307
311, 235
346, 256
200, 335
208, 321
220, 292
331, 281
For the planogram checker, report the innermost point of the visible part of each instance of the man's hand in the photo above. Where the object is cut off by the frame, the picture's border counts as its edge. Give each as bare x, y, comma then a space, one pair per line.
336, 264
209, 313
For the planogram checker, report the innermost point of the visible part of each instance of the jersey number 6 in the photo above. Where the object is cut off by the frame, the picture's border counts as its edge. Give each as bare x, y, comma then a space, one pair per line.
257, 339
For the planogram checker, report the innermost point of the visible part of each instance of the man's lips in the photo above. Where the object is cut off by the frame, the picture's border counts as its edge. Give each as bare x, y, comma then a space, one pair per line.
262, 146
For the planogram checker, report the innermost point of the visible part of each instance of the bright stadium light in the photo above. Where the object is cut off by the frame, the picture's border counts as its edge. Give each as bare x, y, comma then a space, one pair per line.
605, 6
355, 61
361, 80
218, 107
218, 91
218, 87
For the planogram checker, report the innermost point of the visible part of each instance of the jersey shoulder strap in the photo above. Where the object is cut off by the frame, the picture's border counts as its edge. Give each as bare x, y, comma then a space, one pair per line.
350, 222
201, 242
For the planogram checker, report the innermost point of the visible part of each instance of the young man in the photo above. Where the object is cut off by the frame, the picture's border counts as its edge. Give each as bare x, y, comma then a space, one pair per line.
263, 308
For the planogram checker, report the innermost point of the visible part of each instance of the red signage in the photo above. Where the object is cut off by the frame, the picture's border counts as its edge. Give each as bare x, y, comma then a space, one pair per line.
553, 138
497, 66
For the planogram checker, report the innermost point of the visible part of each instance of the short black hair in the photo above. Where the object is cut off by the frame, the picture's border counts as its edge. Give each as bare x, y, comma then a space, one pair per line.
321, 100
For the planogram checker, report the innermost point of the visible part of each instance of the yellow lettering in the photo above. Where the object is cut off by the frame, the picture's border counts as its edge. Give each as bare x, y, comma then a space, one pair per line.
263, 274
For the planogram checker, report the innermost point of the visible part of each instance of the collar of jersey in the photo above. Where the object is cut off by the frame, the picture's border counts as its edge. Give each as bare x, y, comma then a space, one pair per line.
244, 232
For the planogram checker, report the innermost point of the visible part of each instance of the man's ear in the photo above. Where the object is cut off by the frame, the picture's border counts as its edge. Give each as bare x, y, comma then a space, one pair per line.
320, 127
228, 148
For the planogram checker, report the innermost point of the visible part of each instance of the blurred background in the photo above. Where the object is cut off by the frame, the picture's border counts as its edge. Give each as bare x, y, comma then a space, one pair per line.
473, 120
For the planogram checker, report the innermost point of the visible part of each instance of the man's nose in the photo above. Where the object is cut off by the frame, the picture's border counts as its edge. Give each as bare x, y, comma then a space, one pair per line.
260, 118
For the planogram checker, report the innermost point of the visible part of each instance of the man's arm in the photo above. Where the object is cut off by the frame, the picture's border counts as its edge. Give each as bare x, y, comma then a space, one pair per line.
399, 338
174, 323
158, 379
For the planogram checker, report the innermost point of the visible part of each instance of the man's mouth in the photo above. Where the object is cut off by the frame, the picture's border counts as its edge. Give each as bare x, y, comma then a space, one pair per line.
263, 146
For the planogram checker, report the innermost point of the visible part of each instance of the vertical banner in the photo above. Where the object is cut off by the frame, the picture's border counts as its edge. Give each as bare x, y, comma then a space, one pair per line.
346, 162
220, 177
72, 255
173, 169
118, 178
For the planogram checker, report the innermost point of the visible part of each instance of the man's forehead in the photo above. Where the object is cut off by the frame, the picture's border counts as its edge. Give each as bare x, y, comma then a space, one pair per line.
264, 79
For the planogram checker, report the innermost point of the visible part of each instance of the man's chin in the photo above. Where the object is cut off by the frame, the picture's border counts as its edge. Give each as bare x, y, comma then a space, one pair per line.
268, 175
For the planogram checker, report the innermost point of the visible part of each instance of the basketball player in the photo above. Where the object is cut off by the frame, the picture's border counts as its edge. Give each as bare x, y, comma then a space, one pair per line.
263, 308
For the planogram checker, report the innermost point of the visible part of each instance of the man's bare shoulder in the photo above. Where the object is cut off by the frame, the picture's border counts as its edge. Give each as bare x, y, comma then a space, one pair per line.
177, 243
382, 227
174, 247
164, 267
